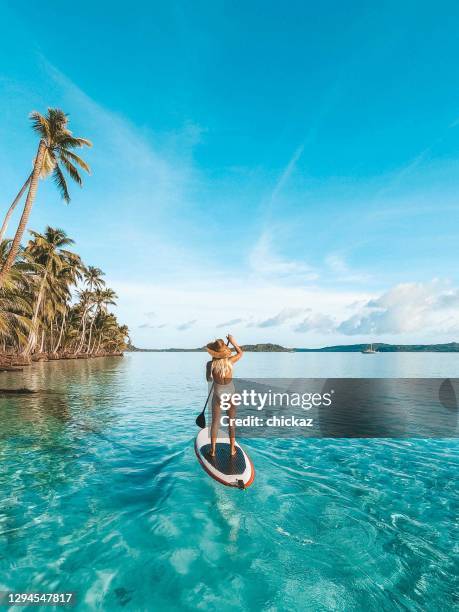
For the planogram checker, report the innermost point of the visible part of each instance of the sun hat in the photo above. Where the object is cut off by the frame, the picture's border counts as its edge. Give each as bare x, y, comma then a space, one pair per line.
218, 349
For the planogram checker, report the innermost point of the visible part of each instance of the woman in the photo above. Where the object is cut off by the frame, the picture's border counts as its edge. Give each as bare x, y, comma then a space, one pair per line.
219, 371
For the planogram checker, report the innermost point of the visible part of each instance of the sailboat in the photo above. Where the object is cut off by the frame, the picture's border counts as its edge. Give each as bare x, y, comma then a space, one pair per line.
369, 350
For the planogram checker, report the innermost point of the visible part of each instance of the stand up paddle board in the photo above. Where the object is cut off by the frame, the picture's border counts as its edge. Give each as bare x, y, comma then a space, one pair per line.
232, 471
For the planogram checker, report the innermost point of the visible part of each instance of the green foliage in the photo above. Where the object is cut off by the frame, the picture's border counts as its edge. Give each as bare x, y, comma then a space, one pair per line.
54, 132
51, 302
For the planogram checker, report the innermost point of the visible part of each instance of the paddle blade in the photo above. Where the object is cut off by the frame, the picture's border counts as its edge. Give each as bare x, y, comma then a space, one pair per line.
201, 420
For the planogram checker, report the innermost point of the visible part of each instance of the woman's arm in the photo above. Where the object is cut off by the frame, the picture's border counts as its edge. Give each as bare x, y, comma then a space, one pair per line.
209, 371
237, 348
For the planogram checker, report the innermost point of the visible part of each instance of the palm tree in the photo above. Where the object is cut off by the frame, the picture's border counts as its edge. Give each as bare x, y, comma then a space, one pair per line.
54, 150
102, 299
65, 279
49, 257
110, 335
93, 279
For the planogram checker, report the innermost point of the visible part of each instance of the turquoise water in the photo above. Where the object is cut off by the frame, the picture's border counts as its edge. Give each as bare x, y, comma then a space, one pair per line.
101, 494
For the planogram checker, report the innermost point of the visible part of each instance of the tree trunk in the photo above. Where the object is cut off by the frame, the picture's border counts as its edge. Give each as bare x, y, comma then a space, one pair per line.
33, 330
90, 334
25, 213
83, 332
42, 340
56, 348
12, 207
94, 344
98, 345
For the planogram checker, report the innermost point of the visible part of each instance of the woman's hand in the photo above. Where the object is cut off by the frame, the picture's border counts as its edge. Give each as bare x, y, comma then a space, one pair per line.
237, 348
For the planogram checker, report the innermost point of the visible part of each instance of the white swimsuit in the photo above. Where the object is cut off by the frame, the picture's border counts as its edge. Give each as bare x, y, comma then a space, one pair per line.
220, 389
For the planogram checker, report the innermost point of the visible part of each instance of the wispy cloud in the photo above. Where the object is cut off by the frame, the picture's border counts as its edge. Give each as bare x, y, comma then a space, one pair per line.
231, 322
151, 326
341, 271
264, 261
186, 325
285, 315
287, 172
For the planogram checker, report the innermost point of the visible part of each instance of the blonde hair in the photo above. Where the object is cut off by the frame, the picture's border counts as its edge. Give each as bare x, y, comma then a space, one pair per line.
222, 367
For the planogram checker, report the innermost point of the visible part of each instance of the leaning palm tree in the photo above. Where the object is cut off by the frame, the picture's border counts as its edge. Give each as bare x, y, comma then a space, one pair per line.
54, 154
10, 211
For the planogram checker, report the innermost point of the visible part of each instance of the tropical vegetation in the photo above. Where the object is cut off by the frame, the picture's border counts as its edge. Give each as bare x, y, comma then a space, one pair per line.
52, 305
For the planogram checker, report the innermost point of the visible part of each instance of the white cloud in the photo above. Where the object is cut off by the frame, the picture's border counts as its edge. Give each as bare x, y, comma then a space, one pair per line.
316, 322
449, 299
406, 308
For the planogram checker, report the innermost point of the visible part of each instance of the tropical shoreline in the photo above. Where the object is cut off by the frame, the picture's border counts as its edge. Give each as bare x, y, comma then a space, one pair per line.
15, 363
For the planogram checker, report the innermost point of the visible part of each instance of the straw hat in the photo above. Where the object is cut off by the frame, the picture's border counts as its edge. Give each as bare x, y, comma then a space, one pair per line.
218, 349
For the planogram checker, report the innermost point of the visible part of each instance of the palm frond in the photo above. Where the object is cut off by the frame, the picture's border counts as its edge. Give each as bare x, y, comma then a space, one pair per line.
72, 142
57, 120
40, 125
71, 169
66, 154
61, 183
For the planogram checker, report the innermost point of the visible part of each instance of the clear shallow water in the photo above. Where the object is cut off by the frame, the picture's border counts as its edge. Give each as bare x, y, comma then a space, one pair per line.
101, 494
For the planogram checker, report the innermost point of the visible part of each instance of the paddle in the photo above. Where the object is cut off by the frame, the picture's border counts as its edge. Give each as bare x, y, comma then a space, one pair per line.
201, 418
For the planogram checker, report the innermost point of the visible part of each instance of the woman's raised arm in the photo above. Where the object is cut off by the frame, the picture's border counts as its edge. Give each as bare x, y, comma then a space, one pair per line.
237, 348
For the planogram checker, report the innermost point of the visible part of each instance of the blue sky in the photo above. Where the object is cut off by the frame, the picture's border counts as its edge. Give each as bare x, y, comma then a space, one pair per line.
287, 172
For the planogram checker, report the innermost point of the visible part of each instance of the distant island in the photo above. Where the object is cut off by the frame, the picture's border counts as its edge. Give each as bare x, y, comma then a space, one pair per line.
380, 347
250, 348
450, 347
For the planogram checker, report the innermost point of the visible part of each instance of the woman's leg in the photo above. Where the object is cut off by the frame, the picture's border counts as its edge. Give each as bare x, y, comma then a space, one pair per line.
232, 428
216, 411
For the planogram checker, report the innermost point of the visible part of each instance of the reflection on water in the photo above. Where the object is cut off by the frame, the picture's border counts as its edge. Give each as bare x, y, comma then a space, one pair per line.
101, 494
